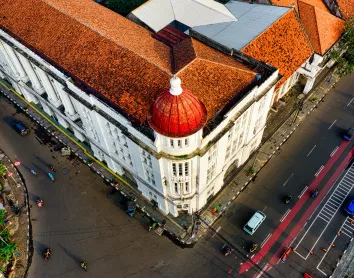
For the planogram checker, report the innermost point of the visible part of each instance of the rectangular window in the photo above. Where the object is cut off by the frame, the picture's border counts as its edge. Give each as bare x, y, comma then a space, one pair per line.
176, 187
186, 142
171, 143
180, 169
186, 169
174, 169
187, 186
179, 142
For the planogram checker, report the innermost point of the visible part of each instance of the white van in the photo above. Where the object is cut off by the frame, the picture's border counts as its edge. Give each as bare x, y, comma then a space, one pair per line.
255, 221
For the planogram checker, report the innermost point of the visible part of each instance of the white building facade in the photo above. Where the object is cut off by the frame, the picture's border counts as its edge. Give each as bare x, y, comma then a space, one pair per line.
178, 173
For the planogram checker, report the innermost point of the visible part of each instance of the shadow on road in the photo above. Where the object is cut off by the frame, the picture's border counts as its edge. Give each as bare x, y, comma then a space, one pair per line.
39, 247
70, 254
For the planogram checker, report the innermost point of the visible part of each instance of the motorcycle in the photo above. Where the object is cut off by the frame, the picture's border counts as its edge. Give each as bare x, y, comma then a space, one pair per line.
226, 250
286, 253
83, 265
40, 203
47, 254
51, 176
314, 193
33, 172
288, 199
254, 247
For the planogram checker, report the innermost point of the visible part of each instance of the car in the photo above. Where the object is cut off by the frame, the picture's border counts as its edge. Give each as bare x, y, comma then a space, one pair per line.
349, 134
349, 208
20, 128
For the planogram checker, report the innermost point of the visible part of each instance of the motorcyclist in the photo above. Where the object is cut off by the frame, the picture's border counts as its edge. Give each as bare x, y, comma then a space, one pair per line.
33, 172
83, 265
314, 193
152, 226
228, 251
51, 176
47, 254
40, 203
288, 199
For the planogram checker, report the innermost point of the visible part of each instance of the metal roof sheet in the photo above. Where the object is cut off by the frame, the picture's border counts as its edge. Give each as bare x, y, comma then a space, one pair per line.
252, 20
159, 13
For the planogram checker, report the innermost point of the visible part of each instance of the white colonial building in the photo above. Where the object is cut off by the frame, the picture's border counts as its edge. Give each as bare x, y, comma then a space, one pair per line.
175, 114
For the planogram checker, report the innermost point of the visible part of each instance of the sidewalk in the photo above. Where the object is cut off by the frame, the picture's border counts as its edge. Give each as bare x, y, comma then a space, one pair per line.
274, 138
186, 230
345, 267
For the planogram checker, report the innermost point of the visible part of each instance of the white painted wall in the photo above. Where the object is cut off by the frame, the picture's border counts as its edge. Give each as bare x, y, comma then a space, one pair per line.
202, 175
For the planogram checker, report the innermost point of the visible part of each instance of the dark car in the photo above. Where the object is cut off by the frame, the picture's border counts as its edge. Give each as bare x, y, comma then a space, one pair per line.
349, 208
20, 128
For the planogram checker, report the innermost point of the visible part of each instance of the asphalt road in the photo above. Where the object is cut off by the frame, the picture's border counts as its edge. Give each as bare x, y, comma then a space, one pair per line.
294, 168
79, 222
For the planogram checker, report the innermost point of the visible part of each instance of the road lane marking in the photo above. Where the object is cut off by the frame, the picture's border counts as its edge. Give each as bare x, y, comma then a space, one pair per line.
217, 230
266, 239
335, 237
332, 124
285, 215
311, 150
302, 192
319, 171
322, 214
350, 101
334, 151
264, 208
288, 179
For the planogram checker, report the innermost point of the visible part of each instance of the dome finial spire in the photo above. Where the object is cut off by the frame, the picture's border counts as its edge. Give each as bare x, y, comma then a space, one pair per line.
176, 88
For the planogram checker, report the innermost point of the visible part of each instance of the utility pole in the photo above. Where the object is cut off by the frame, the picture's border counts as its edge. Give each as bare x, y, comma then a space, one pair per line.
299, 108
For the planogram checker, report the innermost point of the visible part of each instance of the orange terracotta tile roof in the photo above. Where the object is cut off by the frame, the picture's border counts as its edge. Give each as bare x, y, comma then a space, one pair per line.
346, 7
283, 45
323, 28
285, 3
120, 59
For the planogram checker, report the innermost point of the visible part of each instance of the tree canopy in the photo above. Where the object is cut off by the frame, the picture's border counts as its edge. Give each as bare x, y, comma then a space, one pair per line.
124, 7
344, 55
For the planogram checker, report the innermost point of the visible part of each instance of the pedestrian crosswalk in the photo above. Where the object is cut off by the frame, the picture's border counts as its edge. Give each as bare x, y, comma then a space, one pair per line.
338, 196
348, 227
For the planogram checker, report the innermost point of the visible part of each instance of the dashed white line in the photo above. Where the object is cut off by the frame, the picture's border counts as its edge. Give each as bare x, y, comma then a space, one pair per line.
350, 101
302, 192
311, 150
285, 215
266, 239
319, 171
332, 124
334, 151
288, 179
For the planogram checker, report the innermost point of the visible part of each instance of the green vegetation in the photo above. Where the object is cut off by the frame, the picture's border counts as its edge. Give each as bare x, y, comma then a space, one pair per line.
2, 169
344, 55
7, 247
251, 171
124, 7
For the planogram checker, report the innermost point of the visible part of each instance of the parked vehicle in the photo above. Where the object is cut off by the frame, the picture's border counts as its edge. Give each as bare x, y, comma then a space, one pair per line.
285, 254
349, 208
20, 128
349, 135
254, 223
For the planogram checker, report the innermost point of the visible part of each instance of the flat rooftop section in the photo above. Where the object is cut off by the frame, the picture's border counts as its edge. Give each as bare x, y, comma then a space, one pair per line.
157, 14
252, 20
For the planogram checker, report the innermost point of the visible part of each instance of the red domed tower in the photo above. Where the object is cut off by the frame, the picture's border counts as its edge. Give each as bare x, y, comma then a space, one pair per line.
177, 112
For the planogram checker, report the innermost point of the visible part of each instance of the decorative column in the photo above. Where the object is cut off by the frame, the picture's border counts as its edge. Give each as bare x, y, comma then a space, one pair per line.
16, 62
32, 75
52, 96
309, 84
69, 108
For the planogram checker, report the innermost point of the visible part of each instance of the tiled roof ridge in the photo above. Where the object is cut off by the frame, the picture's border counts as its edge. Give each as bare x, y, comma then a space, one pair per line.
107, 37
224, 65
186, 66
297, 14
210, 8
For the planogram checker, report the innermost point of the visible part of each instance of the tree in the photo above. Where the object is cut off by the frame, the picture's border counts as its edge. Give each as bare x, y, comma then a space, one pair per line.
124, 7
344, 55
7, 251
